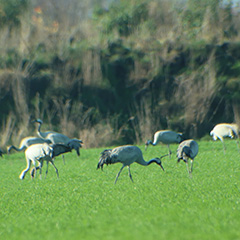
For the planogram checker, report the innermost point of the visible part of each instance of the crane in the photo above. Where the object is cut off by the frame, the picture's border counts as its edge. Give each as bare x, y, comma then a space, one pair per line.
187, 149
40, 152
41, 134
222, 130
166, 137
26, 142
1, 152
56, 138
126, 155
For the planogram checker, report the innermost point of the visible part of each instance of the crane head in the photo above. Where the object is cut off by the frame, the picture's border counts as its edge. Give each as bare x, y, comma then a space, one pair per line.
147, 143
38, 121
159, 162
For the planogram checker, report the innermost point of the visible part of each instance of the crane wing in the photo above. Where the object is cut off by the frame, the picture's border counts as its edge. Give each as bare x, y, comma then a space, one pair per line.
105, 158
60, 149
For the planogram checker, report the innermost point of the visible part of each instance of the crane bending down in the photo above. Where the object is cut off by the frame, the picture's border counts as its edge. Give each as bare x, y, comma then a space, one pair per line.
222, 130
187, 149
60, 149
39, 153
126, 155
166, 137
26, 142
58, 138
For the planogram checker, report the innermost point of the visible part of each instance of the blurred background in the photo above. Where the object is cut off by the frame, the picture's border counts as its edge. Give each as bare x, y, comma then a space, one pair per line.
115, 71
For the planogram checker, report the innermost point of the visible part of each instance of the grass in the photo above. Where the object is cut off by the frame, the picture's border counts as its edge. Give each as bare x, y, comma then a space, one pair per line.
84, 203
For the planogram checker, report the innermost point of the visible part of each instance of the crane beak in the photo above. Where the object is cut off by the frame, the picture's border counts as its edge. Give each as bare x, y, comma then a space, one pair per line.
161, 166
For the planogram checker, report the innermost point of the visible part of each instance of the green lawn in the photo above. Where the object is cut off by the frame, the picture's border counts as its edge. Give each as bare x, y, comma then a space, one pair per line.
84, 203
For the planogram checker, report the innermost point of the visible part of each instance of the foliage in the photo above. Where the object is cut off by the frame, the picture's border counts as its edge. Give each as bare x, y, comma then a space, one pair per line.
130, 68
85, 203
11, 11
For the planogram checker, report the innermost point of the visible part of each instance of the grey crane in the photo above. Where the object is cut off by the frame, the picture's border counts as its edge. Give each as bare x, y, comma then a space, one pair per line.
222, 130
187, 149
166, 137
126, 155
40, 152
26, 142
56, 138
42, 134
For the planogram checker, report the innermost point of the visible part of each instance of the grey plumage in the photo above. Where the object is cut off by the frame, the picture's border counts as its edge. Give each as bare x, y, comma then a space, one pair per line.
126, 155
26, 142
166, 137
187, 149
59, 138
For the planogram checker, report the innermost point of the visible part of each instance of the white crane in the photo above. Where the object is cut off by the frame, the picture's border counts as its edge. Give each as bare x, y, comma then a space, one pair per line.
166, 137
40, 152
126, 155
59, 149
26, 142
222, 130
58, 138
187, 149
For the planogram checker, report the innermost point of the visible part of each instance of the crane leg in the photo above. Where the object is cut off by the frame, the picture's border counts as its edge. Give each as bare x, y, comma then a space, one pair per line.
237, 141
129, 173
169, 151
63, 159
24, 171
191, 166
119, 174
40, 169
55, 168
189, 172
46, 170
224, 147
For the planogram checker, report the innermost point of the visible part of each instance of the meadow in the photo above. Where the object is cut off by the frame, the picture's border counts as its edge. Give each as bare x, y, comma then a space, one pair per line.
85, 204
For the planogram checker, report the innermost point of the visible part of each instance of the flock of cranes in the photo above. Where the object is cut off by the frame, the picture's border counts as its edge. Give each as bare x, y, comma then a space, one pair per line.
52, 144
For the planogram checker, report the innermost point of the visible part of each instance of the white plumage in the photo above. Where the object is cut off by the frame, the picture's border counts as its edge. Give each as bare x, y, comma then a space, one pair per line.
166, 137
126, 155
40, 152
222, 130
187, 149
26, 142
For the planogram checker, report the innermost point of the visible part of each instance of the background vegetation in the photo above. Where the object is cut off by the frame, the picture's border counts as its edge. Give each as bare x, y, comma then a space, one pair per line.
112, 72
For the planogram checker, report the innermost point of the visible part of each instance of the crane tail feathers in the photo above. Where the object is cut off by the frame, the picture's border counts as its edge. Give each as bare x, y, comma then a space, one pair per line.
105, 158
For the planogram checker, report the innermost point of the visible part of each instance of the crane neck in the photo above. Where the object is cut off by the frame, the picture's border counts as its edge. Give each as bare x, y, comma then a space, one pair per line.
39, 130
154, 160
152, 143
146, 163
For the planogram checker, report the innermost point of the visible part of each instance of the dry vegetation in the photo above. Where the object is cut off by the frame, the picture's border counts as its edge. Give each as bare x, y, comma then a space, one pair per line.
112, 74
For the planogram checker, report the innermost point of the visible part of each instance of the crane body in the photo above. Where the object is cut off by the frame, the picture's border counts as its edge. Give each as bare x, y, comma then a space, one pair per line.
223, 130
59, 138
187, 149
126, 155
166, 137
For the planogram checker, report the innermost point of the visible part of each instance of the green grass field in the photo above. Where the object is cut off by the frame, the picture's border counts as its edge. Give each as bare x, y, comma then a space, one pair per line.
84, 203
